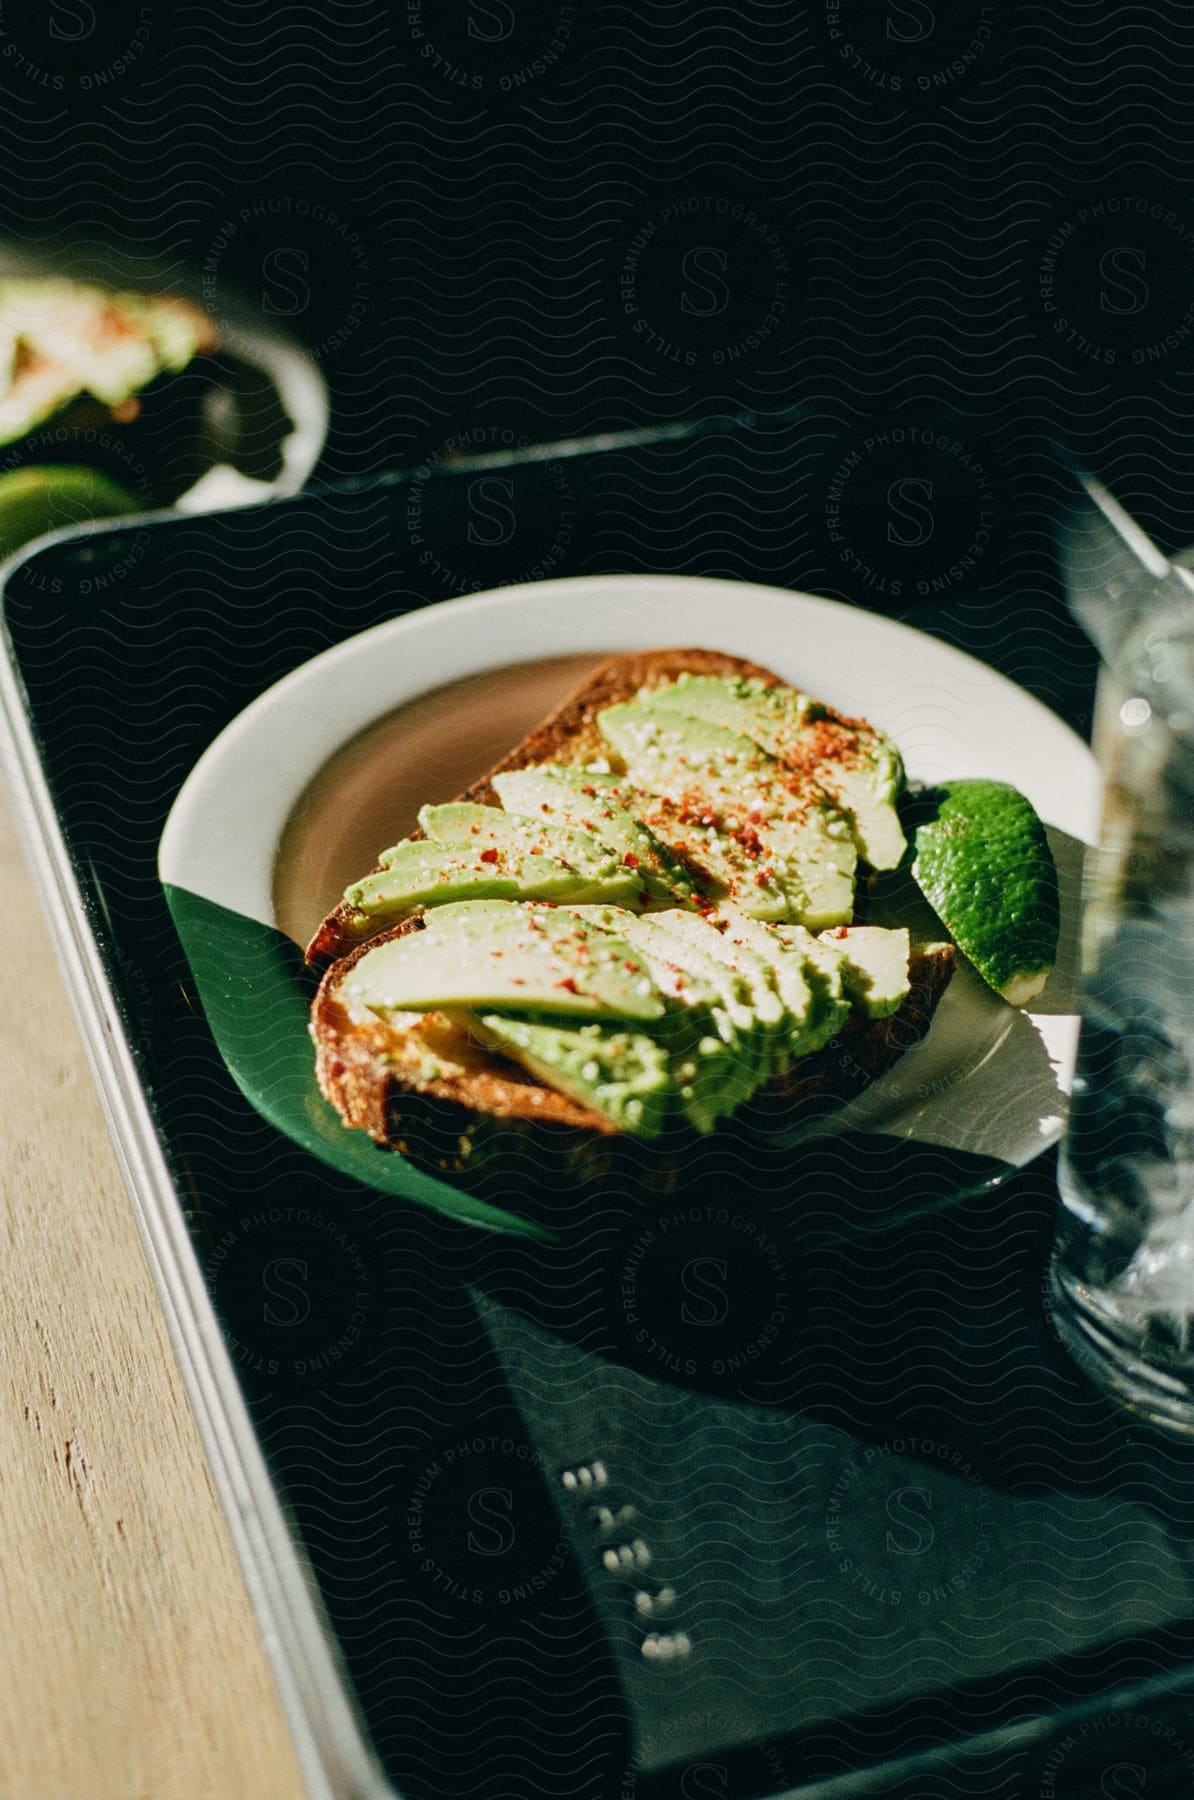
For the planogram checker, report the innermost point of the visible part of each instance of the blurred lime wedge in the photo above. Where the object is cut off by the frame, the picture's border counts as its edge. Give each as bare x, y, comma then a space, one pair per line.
983, 863
37, 499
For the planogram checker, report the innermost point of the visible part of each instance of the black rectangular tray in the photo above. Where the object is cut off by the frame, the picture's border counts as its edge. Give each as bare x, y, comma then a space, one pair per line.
909, 1549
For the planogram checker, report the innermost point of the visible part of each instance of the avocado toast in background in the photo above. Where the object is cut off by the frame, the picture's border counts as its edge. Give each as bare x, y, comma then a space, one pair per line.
104, 402
651, 931
81, 355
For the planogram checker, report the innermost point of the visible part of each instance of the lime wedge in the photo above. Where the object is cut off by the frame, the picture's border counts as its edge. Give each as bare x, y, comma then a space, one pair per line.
983, 863
37, 499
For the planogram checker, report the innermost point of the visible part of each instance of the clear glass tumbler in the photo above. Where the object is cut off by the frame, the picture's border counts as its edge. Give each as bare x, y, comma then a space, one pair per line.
1123, 1266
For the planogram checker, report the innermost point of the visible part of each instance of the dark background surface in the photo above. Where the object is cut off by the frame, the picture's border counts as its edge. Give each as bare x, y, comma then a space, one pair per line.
540, 218
971, 225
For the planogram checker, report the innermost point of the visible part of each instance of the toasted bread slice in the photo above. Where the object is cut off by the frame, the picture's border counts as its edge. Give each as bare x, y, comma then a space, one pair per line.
422, 1086
377, 1077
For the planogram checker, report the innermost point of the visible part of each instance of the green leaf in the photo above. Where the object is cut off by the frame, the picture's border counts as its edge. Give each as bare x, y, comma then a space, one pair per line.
256, 998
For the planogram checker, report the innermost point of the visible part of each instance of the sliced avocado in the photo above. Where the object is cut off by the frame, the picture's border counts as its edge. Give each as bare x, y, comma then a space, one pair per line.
713, 1045
874, 966
721, 1049
541, 958
804, 994
856, 765
624, 1074
768, 715
588, 802
717, 861
709, 1076
462, 822
863, 771
759, 990
824, 968
788, 854
426, 874
703, 980
477, 912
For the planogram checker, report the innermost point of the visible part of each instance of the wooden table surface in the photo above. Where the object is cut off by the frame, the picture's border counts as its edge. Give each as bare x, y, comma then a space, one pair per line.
130, 1660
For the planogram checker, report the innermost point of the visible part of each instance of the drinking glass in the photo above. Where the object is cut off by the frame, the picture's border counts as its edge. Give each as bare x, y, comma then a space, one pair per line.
1122, 1274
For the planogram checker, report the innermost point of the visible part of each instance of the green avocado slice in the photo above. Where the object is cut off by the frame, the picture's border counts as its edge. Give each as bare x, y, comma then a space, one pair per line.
483, 827
824, 967
624, 1074
715, 1041
874, 966
721, 1048
864, 773
856, 765
418, 874
586, 801
804, 993
690, 977
538, 958
756, 982
776, 838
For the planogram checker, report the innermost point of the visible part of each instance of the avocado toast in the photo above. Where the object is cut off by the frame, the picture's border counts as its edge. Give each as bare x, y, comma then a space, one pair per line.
103, 401
66, 343
643, 926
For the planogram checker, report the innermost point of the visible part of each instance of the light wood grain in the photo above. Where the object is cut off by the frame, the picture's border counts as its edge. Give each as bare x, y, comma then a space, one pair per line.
130, 1662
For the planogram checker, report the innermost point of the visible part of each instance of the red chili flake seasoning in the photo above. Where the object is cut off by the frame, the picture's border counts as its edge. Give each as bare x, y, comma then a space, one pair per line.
631, 860
489, 856
590, 792
806, 795
839, 931
825, 742
569, 982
